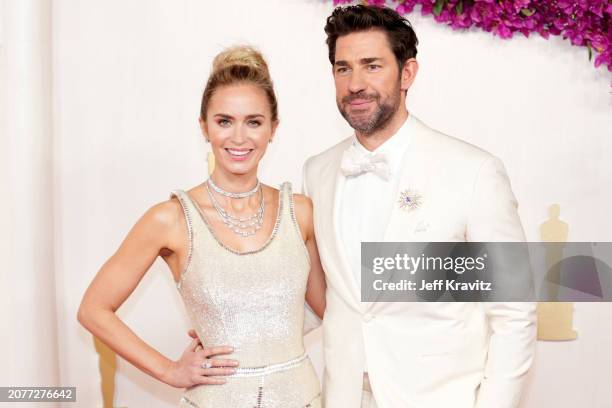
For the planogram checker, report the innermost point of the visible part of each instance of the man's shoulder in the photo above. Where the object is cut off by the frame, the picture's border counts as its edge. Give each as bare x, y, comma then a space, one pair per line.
330, 155
452, 154
452, 147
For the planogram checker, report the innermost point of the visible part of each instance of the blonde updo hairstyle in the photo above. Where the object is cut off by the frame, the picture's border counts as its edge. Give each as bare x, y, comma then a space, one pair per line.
237, 65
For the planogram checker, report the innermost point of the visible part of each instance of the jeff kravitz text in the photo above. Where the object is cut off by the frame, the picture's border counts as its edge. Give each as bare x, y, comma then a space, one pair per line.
405, 263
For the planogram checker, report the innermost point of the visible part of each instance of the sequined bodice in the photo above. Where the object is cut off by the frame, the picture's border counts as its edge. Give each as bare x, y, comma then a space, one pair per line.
252, 301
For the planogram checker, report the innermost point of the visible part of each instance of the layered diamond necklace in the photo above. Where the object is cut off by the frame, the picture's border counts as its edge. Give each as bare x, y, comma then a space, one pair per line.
243, 226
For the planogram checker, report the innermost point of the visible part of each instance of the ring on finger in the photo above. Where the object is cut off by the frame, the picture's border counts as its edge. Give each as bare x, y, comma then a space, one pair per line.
207, 364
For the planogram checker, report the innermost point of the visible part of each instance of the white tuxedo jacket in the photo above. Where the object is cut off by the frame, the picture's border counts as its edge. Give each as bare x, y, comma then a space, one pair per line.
459, 355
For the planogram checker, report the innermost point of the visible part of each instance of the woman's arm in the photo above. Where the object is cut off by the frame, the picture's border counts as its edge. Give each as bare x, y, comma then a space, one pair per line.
157, 230
315, 291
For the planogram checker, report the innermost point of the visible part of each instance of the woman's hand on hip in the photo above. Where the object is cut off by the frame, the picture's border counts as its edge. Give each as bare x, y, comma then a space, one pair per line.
200, 365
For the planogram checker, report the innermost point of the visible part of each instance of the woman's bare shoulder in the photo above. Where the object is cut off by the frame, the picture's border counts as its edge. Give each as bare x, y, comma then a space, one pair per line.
165, 215
303, 214
302, 204
171, 210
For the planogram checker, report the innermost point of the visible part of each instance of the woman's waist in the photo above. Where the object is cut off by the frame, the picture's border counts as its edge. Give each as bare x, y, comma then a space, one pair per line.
266, 369
254, 356
289, 383
256, 349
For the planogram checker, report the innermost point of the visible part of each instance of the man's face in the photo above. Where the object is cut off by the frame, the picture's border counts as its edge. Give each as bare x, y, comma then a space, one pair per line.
367, 77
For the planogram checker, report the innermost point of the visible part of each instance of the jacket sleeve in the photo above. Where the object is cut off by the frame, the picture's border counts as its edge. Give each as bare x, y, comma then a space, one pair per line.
304, 181
512, 325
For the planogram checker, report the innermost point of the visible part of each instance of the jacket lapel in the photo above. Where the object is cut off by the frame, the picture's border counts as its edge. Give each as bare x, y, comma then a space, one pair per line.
403, 221
345, 265
338, 269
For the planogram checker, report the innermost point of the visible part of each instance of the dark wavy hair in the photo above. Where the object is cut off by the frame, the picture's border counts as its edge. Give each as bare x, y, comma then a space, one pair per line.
350, 19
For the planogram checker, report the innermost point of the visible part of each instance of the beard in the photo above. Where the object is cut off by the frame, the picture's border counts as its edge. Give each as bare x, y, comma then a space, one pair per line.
366, 124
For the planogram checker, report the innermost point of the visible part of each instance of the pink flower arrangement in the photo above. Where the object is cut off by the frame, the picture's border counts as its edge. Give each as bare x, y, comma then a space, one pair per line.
585, 23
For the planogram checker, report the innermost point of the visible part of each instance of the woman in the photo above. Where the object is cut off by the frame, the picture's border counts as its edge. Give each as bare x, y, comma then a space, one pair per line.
243, 256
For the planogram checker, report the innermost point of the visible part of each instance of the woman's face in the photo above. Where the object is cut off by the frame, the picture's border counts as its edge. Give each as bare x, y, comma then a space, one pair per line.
239, 126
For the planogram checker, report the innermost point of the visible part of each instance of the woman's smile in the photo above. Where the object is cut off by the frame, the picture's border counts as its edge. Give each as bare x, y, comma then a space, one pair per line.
239, 154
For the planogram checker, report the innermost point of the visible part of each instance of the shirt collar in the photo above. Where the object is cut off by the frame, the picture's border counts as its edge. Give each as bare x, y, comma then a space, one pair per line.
394, 147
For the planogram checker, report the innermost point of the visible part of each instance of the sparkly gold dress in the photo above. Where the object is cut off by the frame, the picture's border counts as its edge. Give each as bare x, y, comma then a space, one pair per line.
254, 302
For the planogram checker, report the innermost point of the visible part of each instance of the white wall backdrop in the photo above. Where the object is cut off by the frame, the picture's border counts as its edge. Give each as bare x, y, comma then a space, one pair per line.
29, 338
127, 78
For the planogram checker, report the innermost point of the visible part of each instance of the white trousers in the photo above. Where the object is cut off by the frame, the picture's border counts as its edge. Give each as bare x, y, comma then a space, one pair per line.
367, 398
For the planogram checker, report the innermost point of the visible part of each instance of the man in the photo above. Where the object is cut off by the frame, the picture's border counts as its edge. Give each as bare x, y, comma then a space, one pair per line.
396, 355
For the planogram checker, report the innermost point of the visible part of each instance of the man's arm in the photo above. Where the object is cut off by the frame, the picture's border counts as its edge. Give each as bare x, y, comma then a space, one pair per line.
512, 325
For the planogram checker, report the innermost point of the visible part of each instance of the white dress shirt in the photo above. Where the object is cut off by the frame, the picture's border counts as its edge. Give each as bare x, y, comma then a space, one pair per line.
367, 199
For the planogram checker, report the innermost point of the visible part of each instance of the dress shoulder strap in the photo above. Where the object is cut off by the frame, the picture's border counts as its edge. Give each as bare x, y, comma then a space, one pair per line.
188, 210
188, 207
193, 215
288, 212
288, 207
286, 200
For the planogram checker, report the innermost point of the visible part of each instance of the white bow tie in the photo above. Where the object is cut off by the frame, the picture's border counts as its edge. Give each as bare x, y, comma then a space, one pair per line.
355, 163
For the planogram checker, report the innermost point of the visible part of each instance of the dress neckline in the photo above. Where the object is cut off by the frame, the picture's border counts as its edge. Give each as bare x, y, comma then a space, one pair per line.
227, 247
